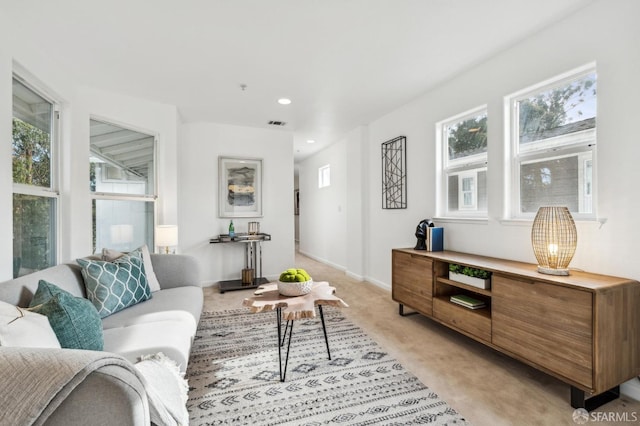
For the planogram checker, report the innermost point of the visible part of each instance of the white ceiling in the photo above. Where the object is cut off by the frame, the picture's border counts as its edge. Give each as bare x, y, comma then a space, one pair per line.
343, 63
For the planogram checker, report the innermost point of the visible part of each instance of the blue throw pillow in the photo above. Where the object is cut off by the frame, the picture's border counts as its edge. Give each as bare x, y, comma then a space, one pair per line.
113, 286
74, 320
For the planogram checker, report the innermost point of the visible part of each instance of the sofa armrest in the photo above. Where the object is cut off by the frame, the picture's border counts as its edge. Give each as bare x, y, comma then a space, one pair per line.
176, 270
110, 395
69, 386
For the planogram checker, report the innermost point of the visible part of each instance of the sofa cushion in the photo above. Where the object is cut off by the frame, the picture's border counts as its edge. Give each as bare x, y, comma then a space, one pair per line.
20, 291
182, 303
173, 338
113, 286
74, 320
110, 255
19, 327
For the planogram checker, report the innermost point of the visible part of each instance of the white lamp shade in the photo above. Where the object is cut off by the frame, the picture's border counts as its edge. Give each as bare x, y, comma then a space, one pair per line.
166, 235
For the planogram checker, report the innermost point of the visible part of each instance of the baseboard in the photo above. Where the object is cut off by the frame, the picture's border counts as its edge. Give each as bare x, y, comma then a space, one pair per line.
377, 283
354, 276
325, 261
631, 388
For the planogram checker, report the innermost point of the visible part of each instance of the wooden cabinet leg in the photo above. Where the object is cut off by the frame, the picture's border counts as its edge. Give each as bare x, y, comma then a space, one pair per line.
578, 400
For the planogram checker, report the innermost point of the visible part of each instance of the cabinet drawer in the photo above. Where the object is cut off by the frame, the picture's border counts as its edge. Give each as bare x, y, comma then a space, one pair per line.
413, 298
412, 282
547, 324
474, 322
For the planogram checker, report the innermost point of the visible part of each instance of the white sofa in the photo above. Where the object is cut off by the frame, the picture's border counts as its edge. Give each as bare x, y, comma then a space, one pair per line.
165, 323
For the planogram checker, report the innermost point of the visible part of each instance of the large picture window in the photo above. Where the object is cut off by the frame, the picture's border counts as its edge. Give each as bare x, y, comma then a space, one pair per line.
553, 144
35, 196
122, 182
462, 142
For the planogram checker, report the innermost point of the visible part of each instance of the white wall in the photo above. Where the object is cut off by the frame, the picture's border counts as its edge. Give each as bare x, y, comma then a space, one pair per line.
192, 162
137, 114
18, 54
296, 218
323, 211
78, 104
604, 32
200, 146
6, 230
333, 219
356, 215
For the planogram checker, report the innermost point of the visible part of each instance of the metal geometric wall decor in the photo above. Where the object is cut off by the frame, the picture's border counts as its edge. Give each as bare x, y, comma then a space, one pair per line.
394, 173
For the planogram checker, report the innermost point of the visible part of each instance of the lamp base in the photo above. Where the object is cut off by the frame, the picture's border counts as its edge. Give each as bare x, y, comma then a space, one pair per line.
552, 271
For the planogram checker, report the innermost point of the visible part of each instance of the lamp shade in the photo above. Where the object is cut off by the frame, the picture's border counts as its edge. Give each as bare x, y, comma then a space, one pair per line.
166, 235
554, 238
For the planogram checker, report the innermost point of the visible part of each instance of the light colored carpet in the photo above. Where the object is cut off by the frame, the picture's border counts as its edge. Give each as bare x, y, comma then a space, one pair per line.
233, 376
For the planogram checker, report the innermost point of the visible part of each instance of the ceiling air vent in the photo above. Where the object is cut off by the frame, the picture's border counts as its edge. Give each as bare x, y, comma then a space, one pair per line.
277, 123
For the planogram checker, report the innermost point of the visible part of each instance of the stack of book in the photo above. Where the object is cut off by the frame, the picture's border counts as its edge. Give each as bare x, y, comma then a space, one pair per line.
467, 302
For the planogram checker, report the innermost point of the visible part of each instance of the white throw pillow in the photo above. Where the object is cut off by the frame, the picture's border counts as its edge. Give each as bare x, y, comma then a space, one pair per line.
110, 255
154, 285
19, 327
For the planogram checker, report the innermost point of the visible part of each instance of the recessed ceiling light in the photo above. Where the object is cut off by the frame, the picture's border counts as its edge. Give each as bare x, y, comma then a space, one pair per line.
284, 101
311, 141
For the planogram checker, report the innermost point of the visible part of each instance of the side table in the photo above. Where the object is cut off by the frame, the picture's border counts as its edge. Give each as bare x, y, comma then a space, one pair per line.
252, 259
290, 308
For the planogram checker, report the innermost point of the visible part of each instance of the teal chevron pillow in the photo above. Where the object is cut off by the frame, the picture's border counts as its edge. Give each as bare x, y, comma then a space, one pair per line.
113, 286
74, 320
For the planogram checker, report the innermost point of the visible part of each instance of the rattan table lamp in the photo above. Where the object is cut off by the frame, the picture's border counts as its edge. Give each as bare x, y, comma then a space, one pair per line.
554, 238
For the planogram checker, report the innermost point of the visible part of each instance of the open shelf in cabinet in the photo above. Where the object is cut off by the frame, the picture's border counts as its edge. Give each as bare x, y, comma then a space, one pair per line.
445, 288
476, 322
485, 312
464, 286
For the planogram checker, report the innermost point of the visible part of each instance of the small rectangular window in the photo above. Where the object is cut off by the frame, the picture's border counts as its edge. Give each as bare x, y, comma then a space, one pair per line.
468, 193
324, 176
553, 144
463, 143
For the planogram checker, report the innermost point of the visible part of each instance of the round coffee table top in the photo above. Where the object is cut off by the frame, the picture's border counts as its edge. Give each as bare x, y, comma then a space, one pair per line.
267, 298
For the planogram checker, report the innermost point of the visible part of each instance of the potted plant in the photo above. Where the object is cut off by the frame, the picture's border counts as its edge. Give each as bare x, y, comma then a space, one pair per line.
472, 276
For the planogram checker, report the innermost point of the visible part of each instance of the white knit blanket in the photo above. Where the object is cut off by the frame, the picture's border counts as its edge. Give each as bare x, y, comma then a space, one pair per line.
166, 389
29, 393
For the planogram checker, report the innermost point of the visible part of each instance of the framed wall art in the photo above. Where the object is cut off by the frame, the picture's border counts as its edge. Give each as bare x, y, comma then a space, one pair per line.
394, 173
239, 187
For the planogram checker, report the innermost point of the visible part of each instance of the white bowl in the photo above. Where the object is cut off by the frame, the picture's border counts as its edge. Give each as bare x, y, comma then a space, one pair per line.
294, 288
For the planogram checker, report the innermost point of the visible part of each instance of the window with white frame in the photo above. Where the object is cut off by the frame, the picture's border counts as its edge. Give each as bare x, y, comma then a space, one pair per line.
553, 134
462, 143
35, 187
122, 181
324, 176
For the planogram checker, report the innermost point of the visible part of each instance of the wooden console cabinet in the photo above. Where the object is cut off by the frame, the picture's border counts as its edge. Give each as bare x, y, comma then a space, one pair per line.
583, 328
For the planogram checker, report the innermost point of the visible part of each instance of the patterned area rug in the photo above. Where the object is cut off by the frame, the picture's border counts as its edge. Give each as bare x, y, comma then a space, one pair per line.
234, 378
